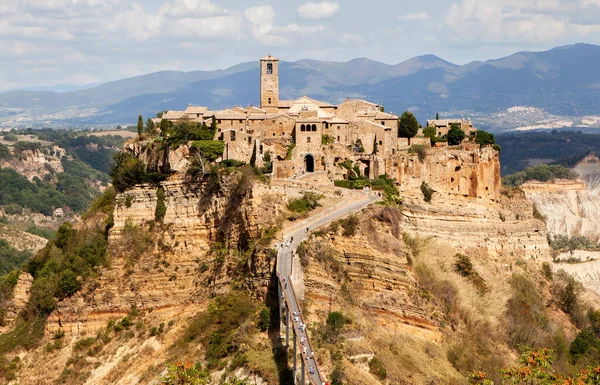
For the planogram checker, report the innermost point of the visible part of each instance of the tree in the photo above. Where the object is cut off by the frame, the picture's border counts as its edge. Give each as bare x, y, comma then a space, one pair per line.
264, 319
149, 126
407, 125
484, 138
455, 135
140, 126
437, 116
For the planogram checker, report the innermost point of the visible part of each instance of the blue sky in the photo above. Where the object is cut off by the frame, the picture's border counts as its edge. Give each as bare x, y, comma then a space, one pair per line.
47, 42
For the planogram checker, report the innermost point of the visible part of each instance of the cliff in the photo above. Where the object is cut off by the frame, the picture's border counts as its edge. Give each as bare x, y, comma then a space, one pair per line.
571, 208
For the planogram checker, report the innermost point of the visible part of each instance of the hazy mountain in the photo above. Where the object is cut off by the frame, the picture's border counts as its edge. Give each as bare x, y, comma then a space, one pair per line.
562, 81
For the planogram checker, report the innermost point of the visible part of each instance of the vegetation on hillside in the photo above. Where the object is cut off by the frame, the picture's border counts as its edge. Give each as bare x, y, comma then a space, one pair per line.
557, 147
542, 173
11, 258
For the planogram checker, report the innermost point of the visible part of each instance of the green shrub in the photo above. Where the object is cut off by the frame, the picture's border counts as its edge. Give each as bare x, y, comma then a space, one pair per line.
4, 152
308, 202
43, 232
464, 267
349, 225
484, 138
129, 171
161, 207
455, 135
264, 322
210, 150
377, 368
542, 173
11, 258
585, 344
427, 192
218, 327
11, 137
420, 150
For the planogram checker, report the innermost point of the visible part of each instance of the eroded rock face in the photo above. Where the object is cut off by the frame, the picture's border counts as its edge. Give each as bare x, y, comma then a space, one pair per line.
571, 208
181, 271
34, 163
21, 294
452, 173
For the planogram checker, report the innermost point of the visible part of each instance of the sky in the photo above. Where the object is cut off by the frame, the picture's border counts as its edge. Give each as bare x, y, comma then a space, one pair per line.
49, 42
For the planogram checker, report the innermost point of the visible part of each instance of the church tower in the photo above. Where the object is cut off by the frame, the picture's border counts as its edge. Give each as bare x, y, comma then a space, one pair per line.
269, 84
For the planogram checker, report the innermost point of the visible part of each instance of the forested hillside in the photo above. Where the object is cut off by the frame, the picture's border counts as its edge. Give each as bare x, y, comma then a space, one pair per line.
566, 148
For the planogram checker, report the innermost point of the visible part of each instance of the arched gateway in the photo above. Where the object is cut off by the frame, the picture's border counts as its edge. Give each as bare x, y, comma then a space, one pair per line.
309, 163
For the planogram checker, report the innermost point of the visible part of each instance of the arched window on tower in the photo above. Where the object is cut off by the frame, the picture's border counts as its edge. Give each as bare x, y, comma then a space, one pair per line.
269, 68
269, 100
303, 128
314, 127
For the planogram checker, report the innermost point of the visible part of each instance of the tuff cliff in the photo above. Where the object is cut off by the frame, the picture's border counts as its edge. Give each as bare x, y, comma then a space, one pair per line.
214, 236
571, 208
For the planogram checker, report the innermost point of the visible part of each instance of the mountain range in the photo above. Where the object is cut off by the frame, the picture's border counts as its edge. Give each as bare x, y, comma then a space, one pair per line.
563, 81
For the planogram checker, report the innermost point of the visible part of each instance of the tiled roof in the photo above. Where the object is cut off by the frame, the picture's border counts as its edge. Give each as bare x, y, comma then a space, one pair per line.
269, 57
337, 120
286, 103
227, 115
384, 115
264, 116
173, 115
196, 110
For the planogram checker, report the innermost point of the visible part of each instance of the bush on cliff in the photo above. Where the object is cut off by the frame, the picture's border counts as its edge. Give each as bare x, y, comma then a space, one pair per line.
455, 135
308, 202
542, 173
130, 171
484, 138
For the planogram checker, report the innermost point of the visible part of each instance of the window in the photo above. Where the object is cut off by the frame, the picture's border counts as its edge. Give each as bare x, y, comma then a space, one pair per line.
232, 133
308, 139
338, 138
326, 125
269, 100
314, 127
269, 70
240, 120
383, 122
273, 134
303, 128
249, 140
381, 142
219, 121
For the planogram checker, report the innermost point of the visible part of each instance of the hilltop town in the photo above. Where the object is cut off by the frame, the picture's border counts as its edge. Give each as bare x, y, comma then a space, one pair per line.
306, 136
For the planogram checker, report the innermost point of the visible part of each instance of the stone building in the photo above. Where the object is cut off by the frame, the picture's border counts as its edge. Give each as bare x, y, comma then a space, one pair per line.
443, 125
304, 135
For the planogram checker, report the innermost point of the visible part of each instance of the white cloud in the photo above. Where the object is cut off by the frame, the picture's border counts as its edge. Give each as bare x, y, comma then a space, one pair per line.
419, 16
318, 11
190, 8
261, 19
519, 21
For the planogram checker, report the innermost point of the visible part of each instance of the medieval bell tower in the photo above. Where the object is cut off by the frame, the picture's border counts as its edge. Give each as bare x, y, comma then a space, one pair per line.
269, 84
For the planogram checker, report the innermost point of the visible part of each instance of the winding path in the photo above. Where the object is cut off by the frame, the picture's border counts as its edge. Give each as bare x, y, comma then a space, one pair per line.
288, 300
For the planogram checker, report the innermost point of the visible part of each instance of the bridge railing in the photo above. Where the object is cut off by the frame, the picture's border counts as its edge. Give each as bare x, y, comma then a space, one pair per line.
301, 320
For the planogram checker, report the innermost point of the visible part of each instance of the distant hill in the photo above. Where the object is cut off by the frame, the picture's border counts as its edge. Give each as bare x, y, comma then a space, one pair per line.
561, 81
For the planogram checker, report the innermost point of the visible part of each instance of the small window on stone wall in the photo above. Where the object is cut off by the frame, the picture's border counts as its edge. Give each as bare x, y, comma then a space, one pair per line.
381, 142
269, 70
303, 128
269, 100
232, 133
308, 140
338, 138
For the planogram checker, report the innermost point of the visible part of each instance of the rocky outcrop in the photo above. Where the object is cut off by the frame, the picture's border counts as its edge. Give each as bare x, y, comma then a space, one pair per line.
34, 163
194, 252
451, 172
571, 207
20, 297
